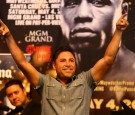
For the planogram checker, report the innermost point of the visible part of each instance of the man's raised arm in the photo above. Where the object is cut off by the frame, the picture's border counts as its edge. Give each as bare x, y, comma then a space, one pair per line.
29, 71
101, 67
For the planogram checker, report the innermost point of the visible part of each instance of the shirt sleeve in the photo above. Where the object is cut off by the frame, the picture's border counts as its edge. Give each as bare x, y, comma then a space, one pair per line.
90, 80
39, 87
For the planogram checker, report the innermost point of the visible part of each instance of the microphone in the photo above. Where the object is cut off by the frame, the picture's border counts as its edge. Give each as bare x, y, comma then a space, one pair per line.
4, 107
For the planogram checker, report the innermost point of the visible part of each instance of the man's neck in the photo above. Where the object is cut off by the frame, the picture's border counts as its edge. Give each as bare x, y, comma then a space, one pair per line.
26, 103
66, 80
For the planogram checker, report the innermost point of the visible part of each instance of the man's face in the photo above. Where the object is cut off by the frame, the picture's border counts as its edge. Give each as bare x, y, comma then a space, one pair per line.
65, 65
89, 23
16, 95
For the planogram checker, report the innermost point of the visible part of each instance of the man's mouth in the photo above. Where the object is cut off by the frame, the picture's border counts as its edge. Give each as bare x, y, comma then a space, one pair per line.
68, 70
84, 37
82, 33
16, 101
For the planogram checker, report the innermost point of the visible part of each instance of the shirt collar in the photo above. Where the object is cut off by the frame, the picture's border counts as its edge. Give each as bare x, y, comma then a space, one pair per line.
70, 80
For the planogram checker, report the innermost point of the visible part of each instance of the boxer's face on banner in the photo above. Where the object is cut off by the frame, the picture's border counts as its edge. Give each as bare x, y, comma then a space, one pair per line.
89, 23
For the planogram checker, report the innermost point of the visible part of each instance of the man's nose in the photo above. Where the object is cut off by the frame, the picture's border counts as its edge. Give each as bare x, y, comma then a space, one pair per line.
14, 96
67, 63
84, 9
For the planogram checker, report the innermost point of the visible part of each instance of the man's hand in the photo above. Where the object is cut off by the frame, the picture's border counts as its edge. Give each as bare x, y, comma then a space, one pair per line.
4, 31
122, 23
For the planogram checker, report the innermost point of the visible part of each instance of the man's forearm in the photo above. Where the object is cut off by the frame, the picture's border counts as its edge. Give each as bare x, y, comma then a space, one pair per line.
29, 71
113, 47
15, 50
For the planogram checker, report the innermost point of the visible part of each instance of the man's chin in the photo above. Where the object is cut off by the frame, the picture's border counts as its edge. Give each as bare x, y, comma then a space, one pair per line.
84, 43
81, 46
68, 75
17, 105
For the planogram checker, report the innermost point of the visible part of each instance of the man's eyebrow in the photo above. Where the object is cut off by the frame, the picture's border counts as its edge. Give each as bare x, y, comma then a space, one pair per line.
109, 1
62, 59
106, 1
72, 59
70, 1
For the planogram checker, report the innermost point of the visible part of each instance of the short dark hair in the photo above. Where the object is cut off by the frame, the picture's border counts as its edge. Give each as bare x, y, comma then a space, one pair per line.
61, 49
14, 82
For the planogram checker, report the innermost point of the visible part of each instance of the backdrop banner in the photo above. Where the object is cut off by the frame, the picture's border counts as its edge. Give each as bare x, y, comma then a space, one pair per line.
41, 26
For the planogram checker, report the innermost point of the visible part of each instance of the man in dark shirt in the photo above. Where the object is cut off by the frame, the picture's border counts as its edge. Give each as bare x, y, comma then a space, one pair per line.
17, 95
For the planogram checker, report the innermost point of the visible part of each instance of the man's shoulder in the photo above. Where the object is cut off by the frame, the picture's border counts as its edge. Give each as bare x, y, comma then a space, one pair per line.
33, 108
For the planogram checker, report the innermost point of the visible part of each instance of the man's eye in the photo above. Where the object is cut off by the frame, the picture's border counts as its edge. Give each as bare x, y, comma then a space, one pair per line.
16, 92
72, 60
71, 3
100, 3
62, 60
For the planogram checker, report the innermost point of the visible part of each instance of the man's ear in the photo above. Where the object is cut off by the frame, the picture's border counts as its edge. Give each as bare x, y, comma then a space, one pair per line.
125, 7
53, 65
25, 92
